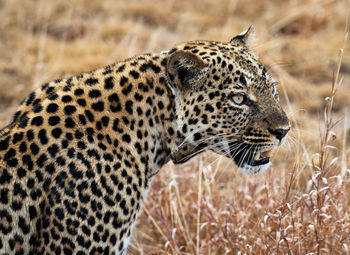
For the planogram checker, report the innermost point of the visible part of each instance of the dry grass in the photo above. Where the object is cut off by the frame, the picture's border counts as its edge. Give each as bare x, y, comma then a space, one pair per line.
301, 205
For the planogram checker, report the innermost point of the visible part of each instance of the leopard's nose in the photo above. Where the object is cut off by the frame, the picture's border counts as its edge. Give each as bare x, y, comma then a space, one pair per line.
279, 132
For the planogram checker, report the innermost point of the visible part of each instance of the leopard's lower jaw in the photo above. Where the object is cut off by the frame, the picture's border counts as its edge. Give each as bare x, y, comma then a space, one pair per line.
248, 169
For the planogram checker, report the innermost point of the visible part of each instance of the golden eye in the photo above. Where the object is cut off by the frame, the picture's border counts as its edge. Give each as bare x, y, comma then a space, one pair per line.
237, 99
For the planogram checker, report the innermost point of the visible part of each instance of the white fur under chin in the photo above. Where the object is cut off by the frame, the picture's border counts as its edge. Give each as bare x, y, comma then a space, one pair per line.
248, 169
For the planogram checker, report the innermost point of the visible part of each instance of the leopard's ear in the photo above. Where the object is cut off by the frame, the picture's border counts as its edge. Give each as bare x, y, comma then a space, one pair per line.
185, 70
246, 37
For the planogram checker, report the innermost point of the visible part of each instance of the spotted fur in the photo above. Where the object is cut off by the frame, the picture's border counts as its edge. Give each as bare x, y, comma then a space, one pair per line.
76, 161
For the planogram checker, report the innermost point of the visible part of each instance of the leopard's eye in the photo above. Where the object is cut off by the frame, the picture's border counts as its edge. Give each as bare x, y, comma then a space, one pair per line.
237, 98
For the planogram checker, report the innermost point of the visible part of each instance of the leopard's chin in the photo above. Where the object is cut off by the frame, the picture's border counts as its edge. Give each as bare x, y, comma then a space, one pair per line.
248, 169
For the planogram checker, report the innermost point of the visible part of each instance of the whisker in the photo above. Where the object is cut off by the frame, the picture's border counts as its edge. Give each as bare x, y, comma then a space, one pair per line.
223, 136
209, 147
237, 152
188, 137
243, 157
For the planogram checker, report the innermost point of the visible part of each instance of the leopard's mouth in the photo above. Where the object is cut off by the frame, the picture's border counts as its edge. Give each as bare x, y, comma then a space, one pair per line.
250, 159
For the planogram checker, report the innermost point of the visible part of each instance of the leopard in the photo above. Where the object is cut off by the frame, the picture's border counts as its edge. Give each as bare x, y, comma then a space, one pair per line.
80, 153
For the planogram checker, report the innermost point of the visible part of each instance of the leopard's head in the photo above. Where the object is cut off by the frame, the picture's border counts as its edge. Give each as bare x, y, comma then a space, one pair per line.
226, 101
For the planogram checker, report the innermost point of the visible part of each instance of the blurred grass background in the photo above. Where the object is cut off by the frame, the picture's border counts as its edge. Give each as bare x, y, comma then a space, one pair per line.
204, 206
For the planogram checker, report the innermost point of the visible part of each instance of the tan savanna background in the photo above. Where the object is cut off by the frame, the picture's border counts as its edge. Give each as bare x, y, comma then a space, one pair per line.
301, 204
